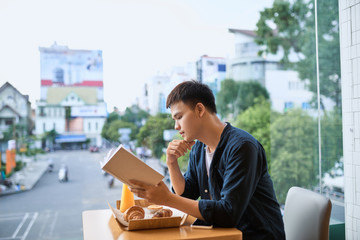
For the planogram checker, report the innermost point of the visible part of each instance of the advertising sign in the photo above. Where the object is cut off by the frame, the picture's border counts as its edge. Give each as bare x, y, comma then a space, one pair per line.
62, 66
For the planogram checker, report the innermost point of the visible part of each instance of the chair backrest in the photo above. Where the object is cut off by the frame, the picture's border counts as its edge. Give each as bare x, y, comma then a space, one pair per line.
306, 215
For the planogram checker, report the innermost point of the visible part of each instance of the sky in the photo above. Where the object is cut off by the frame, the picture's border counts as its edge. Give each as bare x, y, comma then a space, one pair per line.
139, 38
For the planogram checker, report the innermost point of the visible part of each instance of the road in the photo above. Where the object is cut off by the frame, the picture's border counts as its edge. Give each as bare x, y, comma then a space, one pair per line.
52, 210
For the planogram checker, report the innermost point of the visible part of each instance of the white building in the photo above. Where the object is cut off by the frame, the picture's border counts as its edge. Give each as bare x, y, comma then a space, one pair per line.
285, 88
71, 101
15, 108
159, 86
211, 71
247, 65
287, 91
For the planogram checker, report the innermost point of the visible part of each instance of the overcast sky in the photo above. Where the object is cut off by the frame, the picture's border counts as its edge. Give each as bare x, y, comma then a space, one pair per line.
138, 37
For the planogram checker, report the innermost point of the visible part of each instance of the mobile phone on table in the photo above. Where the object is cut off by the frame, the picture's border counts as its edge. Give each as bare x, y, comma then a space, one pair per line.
201, 224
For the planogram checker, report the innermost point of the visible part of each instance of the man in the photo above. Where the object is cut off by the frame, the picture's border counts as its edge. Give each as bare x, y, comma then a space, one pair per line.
227, 169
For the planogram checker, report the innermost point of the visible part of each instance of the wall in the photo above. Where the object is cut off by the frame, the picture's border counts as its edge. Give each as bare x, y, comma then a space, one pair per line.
349, 20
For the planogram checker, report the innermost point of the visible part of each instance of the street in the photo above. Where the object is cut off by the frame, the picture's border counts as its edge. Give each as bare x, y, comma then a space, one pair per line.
53, 210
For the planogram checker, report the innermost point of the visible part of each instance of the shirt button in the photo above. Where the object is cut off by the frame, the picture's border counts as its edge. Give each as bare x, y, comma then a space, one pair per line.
206, 190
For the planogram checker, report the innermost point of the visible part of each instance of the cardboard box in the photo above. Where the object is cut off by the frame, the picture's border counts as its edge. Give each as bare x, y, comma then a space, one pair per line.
164, 222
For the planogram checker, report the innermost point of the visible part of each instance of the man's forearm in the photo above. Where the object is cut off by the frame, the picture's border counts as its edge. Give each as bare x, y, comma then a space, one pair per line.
185, 205
176, 177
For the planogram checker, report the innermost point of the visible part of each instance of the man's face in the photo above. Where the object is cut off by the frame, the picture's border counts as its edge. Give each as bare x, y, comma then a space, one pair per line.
186, 121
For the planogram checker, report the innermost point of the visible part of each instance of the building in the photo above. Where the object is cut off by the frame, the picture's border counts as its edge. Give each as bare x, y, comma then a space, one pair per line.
247, 65
71, 101
15, 109
349, 23
285, 88
211, 71
159, 86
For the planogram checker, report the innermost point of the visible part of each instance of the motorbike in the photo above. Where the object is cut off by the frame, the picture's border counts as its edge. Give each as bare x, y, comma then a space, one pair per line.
63, 174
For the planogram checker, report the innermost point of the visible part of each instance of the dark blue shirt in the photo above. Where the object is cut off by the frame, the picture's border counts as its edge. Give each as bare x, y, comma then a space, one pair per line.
239, 192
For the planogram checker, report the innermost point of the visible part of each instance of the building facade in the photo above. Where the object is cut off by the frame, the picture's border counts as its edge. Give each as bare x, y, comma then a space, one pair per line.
349, 22
71, 101
211, 71
15, 109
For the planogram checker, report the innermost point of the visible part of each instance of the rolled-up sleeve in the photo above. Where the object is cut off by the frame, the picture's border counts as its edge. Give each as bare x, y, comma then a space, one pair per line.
191, 180
241, 175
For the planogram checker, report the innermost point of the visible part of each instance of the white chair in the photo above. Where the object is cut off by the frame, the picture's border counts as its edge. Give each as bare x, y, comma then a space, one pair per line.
306, 215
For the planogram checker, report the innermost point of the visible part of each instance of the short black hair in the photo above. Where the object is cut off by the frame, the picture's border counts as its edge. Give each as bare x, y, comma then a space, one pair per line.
191, 93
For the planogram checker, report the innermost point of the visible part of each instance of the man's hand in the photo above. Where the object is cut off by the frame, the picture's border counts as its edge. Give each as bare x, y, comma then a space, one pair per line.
157, 194
176, 149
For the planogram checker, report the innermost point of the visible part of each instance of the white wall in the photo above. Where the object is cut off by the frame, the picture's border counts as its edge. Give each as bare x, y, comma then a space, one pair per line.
349, 16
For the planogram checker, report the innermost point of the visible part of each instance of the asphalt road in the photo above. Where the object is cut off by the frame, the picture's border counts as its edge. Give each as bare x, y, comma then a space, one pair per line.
53, 210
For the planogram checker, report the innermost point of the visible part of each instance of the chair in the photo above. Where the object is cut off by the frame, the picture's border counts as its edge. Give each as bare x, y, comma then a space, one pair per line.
306, 215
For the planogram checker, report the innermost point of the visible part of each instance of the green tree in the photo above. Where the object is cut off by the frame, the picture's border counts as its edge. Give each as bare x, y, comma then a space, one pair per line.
293, 152
235, 97
226, 97
256, 121
111, 132
331, 139
135, 115
290, 26
151, 134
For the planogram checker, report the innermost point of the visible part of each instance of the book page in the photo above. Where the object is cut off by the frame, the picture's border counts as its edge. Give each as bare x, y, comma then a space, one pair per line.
124, 166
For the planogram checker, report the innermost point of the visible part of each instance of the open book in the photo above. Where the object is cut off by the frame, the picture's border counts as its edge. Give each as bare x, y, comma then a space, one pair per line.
124, 166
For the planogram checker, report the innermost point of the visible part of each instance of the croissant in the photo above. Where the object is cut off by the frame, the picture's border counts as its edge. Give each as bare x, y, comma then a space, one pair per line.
163, 213
134, 212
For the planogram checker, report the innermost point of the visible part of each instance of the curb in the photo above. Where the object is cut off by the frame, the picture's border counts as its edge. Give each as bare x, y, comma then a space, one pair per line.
30, 186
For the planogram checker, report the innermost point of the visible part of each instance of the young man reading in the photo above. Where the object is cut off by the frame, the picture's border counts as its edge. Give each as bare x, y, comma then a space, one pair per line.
227, 169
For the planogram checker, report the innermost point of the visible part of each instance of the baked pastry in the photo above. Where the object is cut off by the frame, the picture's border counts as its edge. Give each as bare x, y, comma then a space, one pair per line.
154, 208
165, 212
134, 212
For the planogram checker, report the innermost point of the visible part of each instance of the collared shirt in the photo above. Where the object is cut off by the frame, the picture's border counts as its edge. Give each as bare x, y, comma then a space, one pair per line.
242, 193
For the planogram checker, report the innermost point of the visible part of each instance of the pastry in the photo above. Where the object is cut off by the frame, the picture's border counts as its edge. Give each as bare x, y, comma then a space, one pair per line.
134, 212
154, 208
163, 213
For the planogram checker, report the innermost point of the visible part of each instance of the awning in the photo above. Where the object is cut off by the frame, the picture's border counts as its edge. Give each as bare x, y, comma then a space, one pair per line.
70, 138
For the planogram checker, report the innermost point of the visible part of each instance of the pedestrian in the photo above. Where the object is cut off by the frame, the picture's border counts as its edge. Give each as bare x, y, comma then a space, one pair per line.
227, 169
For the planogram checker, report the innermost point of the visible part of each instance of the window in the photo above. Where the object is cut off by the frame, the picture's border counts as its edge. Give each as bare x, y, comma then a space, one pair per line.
96, 126
89, 126
9, 122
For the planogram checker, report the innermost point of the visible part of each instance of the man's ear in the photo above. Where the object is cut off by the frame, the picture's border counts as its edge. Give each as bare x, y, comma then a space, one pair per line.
200, 109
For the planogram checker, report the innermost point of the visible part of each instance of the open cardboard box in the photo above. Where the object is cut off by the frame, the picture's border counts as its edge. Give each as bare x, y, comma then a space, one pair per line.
176, 220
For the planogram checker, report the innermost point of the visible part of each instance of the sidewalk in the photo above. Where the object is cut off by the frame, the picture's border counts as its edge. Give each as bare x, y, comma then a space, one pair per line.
28, 176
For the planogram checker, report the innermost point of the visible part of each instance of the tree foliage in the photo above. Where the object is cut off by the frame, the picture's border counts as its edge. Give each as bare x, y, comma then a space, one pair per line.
256, 121
135, 115
235, 97
111, 131
293, 152
151, 134
290, 26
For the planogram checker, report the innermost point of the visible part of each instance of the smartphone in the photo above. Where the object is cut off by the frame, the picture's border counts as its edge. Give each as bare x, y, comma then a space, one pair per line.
201, 224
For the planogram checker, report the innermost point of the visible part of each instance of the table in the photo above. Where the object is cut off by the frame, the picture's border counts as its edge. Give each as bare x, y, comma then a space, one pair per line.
101, 224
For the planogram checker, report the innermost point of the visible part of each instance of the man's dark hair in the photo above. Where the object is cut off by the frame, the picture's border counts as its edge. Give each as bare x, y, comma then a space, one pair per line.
191, 93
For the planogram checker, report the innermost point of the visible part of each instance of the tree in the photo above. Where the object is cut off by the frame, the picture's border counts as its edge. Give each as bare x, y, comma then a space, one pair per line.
111, 132
151, 134
293, 152
135, 115
294, 31
256, 121
331, 139
235, 97
226, 96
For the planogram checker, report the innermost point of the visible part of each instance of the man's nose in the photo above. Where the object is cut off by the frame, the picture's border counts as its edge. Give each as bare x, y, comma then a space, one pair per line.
177, 126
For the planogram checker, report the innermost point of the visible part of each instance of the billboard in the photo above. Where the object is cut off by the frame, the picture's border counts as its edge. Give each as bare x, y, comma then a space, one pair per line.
61, 66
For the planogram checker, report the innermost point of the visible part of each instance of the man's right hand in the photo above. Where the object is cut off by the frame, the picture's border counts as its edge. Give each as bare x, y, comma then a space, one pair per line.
176, 149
